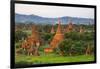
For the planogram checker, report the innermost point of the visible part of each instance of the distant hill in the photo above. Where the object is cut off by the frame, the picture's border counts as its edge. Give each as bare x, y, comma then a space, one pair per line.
21, 18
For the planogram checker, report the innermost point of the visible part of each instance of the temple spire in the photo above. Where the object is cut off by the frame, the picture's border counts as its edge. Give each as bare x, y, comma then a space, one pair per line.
59, 27
58, 37
52, 29
70, 26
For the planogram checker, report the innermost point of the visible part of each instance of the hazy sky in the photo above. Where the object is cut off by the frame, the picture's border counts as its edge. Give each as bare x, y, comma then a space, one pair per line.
54, 11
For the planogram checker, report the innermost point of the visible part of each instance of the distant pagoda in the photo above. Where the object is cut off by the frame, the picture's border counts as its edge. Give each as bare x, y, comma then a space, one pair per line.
69, 27
58, 37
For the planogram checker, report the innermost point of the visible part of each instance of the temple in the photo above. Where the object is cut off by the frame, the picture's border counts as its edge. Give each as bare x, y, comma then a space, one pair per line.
32, 43
58, 37
69, 27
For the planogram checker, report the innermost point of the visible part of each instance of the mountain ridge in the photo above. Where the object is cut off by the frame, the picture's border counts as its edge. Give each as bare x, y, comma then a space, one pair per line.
21, 18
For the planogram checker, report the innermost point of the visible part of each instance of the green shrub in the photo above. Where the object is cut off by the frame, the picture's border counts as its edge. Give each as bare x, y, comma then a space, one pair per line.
70, 47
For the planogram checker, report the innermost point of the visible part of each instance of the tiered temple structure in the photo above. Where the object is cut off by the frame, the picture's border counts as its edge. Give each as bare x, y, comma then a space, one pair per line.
69, 27
32, 43
58, 37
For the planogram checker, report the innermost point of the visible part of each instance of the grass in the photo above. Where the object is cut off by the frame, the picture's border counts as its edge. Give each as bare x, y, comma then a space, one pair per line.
51, 58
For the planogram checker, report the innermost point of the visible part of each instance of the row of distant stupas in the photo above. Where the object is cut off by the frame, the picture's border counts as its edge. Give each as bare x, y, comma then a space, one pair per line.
69, 28
33, 42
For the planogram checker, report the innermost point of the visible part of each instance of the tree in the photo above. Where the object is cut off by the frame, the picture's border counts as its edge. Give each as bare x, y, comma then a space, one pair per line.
19, 35
70, 47
64, 47
72, 35
78, 47
47, 37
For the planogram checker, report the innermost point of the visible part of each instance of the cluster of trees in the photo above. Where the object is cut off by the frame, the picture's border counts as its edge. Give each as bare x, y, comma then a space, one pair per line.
85, 36
20, 35
46, 37
76, 44
46, 28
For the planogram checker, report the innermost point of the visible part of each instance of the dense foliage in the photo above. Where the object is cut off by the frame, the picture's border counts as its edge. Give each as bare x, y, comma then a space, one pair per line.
20, 35
76, 44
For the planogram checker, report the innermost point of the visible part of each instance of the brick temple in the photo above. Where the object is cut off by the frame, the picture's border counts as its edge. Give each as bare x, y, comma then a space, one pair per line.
69, 27
32, 42
58, 37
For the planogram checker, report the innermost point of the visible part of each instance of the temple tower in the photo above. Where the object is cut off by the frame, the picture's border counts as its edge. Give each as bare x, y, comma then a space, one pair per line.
69, 26
58, 37
32, 42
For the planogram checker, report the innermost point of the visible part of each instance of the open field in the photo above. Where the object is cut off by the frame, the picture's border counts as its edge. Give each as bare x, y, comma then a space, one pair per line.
51, 58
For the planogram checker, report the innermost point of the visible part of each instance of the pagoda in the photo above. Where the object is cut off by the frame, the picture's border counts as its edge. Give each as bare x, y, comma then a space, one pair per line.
32, 43
58, 37
69, 27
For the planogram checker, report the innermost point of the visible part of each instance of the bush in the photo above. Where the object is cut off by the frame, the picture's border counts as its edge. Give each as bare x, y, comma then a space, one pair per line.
18, 44
86, 36
46, 37
19, 35
78, 47
70, 47
72, 35
64, 47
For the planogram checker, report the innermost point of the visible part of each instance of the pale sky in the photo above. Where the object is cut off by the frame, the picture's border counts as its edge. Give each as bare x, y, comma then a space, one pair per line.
54, 11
